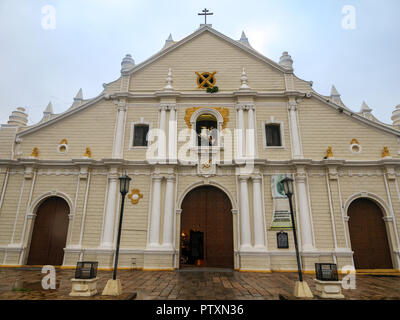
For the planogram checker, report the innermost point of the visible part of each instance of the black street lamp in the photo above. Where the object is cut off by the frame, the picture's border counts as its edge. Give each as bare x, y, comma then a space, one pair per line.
288, 188
124, 189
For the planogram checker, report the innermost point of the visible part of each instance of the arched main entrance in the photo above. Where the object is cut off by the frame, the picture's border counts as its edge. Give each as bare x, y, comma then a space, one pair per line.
206, 229
368, 235
49, 233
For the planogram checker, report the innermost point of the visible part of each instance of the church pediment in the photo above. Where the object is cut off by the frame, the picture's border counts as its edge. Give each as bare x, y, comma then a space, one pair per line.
207, 50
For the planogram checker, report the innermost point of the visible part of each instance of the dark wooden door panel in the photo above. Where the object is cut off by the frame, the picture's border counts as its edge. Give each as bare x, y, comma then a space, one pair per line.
49, 233
208, 209
368, 236
219, 231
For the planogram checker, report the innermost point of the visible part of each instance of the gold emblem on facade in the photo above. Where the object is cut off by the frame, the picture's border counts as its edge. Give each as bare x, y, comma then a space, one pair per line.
35, 152
224, 112
329, 153
385, 152
206, 165
206, 79
354, 141
88, 153
63, 141
135, 196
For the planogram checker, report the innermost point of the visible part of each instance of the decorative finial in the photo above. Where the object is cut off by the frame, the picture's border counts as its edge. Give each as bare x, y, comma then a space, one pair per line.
243, 79
385, 152
49, 108
335, 95
365, 108
396, 116
78, 99
169, 41
48, 112
244, 40
169, 87
88, 153
286, 61
18, 118
35, 153
79, 95
127, 63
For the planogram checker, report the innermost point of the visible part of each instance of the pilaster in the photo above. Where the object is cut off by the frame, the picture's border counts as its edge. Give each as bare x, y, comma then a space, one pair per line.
241, 138
168, 231
111, 208
259, 228
162, 136
245, 235
155, 216
297, 152
251, 133
172, 135
304, 214
118, 151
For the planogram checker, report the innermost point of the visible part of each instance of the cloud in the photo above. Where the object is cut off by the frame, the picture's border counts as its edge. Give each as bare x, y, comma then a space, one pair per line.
262, 37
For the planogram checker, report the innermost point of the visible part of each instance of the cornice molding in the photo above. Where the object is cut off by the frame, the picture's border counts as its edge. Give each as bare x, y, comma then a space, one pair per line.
90, 163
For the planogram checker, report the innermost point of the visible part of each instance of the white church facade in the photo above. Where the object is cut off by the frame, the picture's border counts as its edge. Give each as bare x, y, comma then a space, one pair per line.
206, 139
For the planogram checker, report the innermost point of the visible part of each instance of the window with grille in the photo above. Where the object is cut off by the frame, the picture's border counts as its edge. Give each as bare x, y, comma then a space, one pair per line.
273, 135
140, 132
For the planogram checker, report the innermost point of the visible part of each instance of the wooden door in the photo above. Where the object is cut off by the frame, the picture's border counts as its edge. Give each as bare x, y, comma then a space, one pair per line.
368, 236
208, 210
49, 233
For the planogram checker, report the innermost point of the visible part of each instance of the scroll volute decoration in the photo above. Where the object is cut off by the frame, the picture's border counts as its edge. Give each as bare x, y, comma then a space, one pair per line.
224, 112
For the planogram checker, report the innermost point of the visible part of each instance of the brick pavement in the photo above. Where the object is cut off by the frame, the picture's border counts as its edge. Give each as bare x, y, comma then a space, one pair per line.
189, 285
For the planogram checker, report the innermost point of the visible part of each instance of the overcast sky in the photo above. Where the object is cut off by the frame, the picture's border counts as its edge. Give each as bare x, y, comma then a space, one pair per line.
39, 64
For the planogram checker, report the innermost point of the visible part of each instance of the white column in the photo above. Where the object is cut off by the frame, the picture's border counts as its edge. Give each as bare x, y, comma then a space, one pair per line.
172, 142
294, 131
108, 228
304, 216
119, 135
154, 235
250, 133
240, 137
245, 236
162, 143
169, 213
259, 236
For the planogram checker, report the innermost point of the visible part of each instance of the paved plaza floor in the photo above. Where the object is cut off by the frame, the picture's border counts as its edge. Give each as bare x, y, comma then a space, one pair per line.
17, 283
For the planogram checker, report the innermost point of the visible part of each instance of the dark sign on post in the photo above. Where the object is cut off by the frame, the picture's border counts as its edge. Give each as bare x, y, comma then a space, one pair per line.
282, 239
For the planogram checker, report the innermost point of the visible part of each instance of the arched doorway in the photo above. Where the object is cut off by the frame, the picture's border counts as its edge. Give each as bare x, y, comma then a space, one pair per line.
206, 229
368, 235
49, 233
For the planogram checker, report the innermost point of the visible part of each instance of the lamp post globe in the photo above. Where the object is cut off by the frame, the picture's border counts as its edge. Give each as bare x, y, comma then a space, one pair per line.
288, 186
124, 184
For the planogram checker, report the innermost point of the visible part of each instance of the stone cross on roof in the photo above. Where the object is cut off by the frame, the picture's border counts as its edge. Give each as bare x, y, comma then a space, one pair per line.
205, 14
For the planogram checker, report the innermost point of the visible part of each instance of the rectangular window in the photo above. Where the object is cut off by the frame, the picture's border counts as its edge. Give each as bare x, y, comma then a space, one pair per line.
273, 135
140, 132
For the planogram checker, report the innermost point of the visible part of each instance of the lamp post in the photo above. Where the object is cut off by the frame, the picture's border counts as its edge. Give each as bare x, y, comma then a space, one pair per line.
124, 189
301, 289
288, 188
